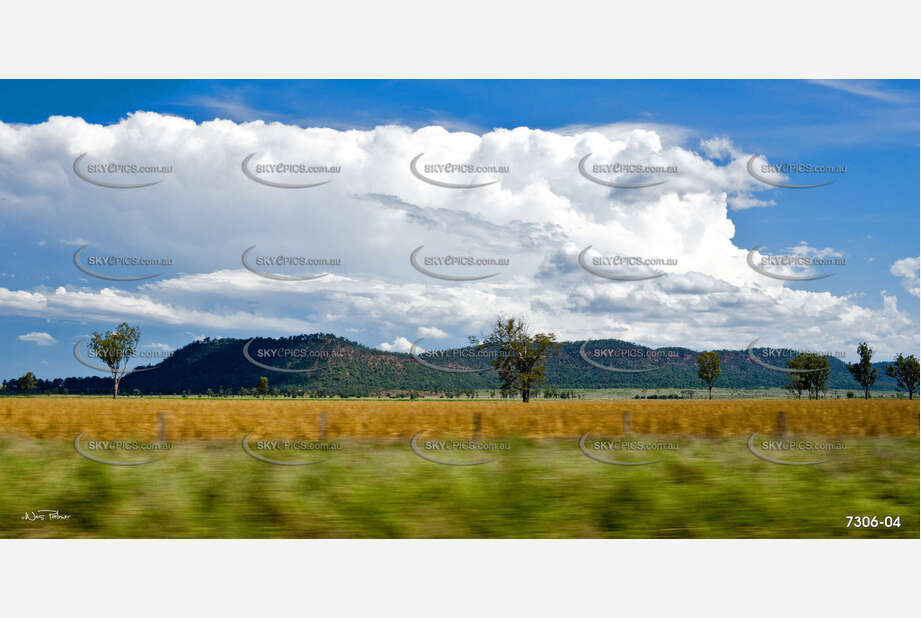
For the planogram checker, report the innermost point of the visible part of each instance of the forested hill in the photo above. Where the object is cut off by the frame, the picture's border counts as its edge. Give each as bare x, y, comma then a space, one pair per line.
327, 365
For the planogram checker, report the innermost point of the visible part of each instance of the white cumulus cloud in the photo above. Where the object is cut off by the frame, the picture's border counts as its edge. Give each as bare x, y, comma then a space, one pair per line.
907, 269
374, 213
399, 344
42, 339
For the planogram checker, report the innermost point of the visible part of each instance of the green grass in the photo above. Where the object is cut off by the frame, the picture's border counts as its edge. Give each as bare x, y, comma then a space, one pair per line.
707, 489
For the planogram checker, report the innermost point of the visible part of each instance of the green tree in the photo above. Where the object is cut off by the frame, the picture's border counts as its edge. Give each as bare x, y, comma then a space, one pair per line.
521, 357
27, 382
813, 371
708, 369
798, 382
263, 387
863, 370
905, 372
115, 349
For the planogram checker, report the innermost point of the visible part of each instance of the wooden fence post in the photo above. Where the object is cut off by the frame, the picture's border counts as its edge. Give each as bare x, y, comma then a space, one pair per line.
477, 425
626, 422
161, 432
322, 426
782, 423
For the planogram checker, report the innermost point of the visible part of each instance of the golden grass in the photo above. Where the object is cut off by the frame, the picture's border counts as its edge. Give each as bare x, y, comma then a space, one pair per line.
191, 419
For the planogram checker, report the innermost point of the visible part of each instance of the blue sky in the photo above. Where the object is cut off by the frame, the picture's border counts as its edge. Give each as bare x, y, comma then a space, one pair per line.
869, 214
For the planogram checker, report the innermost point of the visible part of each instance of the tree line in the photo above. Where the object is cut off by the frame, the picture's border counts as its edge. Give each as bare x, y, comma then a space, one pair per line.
808, 372
520, 364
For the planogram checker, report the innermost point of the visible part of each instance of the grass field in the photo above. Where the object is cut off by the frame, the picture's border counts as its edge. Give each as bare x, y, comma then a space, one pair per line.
709, 486
207, 419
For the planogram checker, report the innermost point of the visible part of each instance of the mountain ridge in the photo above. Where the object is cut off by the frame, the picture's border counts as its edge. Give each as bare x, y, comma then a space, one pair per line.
323, 364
